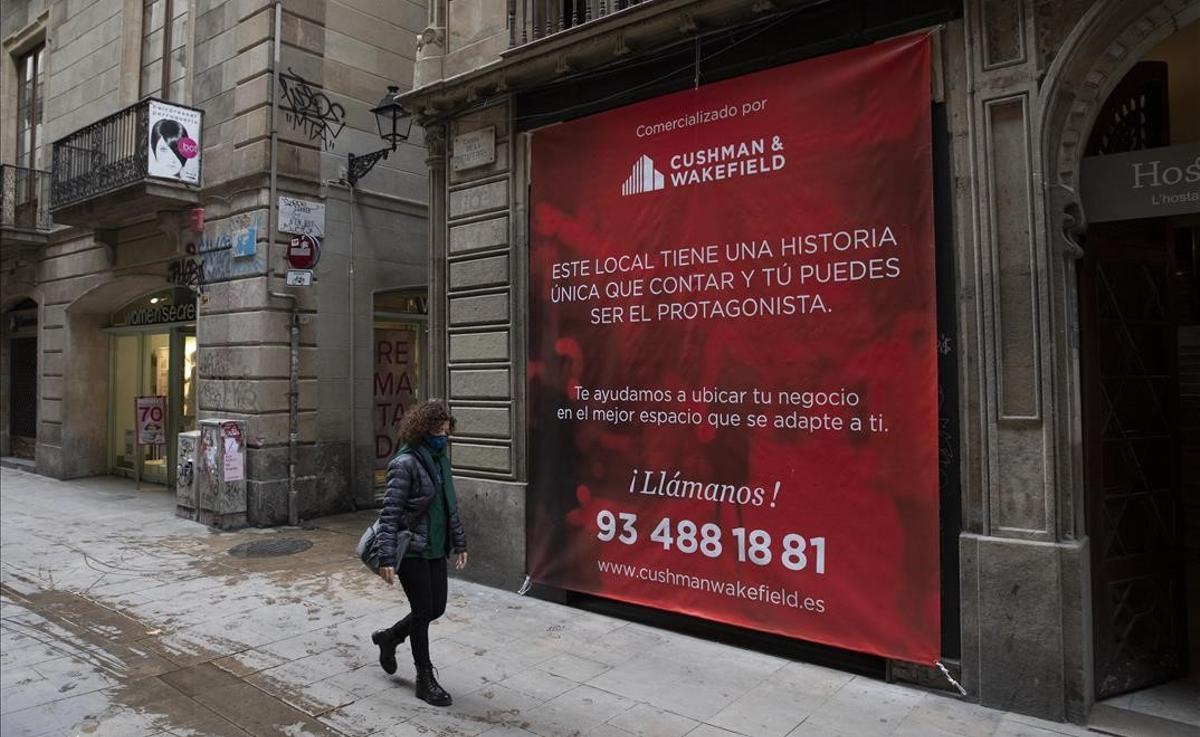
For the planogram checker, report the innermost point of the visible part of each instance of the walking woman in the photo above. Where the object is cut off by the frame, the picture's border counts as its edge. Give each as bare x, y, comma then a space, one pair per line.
419, 530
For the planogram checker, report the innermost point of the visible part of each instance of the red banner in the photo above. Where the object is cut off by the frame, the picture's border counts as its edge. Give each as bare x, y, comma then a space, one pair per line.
732, 353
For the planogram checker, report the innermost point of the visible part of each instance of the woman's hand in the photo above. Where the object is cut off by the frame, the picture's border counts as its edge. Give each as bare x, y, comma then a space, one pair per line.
461, 563
387, 574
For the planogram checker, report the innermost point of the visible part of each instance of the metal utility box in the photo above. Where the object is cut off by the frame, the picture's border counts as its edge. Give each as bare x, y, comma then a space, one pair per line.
186, 490
221, 473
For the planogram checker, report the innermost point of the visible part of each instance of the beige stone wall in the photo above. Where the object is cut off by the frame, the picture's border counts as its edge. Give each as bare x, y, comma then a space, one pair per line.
101, 58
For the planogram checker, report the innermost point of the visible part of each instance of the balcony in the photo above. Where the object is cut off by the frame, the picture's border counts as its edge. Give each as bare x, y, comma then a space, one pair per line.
24, 205
532, 20
136, 161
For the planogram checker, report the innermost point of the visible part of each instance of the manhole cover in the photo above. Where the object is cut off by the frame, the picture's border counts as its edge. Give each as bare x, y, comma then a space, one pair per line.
271, 548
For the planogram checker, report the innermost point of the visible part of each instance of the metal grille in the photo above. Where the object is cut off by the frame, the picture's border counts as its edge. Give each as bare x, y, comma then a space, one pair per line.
1139, 594
106, 155
24, 198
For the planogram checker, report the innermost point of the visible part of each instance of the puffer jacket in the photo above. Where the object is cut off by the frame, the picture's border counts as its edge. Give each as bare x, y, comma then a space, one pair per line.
410, 490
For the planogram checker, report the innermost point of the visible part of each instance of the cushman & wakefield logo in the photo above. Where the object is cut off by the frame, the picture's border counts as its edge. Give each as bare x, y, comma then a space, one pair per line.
643, 178
746, 158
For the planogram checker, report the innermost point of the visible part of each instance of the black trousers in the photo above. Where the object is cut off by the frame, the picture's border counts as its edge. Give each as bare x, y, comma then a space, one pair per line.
424, 583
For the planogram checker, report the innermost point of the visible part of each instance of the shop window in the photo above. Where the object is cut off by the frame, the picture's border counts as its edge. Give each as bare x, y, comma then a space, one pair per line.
398, 348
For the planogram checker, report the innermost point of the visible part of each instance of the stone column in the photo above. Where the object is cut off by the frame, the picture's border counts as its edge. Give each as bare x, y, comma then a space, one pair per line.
485, 370
1024, 563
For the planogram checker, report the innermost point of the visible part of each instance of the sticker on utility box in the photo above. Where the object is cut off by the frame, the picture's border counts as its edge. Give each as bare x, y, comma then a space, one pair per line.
299, 277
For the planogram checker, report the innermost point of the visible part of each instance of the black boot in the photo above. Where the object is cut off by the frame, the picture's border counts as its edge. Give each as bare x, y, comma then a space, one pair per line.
429, 690
387, 641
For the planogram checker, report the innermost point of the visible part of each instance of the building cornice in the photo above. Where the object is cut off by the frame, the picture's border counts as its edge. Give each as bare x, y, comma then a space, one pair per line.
588, 47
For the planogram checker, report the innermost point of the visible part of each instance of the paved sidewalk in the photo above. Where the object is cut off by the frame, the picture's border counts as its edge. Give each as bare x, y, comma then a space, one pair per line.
120, 619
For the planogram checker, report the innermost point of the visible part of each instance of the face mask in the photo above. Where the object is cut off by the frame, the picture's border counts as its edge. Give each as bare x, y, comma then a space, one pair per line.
436, 443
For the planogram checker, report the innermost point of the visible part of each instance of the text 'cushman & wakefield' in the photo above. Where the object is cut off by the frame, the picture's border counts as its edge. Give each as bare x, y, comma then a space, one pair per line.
730, 161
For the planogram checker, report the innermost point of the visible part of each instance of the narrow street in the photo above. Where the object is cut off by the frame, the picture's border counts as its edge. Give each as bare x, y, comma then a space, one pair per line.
120, 619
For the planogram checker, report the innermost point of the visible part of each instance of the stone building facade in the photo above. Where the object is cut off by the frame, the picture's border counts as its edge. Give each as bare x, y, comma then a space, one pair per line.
117, 284
1036, 590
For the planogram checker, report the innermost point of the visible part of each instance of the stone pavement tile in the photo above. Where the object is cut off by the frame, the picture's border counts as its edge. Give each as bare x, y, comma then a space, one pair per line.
573, 667
302, 645
363, 681
606, 730
449, 721
494, 705
526, 652
771, 709
507, 731
136, 661
1178, 700
367, 716
313, 668
248, 662
82, 679
114, 721
170, 709
21, 676
73, 675
578, 710
697, 689
248, 708
813, 729
198, 679
177, 649
646, 721
539, 684
313, 699
14, 658
620, 645
936, 714
708, 730
116, 585
87, 713
1019, 725
866, 708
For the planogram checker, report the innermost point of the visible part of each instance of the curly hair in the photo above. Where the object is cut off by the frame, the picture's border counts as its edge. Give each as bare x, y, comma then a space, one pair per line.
422, 419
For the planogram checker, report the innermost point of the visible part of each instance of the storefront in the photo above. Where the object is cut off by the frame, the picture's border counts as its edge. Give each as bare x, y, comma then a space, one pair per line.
1040, 500
153, 344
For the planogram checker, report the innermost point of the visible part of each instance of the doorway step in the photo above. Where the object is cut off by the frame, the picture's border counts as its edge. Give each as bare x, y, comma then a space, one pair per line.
1169, 710
20, 464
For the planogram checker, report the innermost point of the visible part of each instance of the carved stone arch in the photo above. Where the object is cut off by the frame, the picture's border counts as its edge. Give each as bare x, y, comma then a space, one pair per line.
1111, 37
17, 292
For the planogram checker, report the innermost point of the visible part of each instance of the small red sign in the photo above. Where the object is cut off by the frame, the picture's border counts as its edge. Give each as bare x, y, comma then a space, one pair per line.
303, 252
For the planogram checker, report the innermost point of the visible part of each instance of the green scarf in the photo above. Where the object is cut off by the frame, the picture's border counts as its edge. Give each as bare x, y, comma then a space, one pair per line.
428, 460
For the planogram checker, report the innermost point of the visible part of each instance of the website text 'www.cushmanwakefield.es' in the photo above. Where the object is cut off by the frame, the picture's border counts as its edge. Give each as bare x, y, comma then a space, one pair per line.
735, 589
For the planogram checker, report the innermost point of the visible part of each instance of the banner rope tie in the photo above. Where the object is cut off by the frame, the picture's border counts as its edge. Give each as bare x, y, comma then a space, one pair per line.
528, 584
945, 672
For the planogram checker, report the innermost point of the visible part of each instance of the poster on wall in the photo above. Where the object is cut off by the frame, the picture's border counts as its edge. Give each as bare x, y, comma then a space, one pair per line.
732, 369
395, 382
233, 464
174, 142
151, 414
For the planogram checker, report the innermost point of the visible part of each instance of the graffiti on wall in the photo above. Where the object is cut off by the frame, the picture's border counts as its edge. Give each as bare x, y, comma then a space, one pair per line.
311, 110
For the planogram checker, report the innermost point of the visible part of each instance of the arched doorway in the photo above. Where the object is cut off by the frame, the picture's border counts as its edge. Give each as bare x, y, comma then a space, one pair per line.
1139, 318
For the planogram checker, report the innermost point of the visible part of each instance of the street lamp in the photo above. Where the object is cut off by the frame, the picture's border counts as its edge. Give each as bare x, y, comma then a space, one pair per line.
394, 126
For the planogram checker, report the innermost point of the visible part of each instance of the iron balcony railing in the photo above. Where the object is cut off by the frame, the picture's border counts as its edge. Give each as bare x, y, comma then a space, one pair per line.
99, 158
530, 20
24, 198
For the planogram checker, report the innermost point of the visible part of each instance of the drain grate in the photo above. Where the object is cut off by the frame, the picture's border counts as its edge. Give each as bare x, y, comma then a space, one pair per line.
271, 548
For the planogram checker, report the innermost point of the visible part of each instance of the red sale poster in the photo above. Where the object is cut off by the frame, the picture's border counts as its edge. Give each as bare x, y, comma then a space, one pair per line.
732, 365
